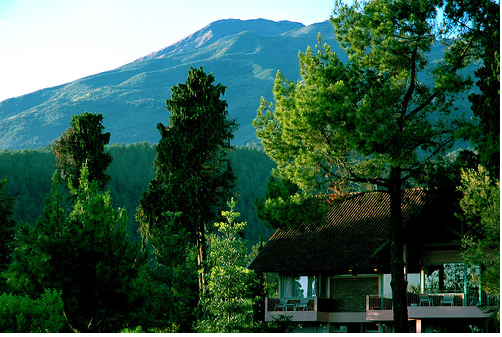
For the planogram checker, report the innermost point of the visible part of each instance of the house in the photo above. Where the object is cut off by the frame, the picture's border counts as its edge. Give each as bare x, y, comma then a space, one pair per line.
334, 273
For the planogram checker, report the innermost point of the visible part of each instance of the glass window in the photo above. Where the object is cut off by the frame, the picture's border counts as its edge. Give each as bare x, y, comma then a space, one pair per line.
387, 290
450, 277
413, 282
303, 286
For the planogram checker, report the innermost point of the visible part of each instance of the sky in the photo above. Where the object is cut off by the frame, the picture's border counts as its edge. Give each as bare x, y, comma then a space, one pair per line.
44, 43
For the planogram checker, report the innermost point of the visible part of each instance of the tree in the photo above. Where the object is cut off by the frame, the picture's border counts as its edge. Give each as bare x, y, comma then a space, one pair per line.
83, 142
193, 175
374, 121
6, 226
228, 303
479, 20
173, 275
86, 255
481, 206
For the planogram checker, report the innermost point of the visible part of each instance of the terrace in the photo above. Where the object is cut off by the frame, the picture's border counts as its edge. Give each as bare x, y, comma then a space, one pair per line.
437, 305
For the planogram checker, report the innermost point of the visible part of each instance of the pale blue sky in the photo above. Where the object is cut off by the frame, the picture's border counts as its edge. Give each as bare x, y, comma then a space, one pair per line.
44, 43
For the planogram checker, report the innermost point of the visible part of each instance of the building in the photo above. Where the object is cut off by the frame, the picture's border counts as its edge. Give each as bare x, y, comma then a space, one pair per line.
334, 273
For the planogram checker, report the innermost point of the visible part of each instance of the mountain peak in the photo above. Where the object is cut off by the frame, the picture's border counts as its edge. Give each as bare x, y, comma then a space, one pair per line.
221, 28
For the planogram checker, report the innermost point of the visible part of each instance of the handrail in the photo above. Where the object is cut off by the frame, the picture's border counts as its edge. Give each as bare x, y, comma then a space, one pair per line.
471, 298
375, 302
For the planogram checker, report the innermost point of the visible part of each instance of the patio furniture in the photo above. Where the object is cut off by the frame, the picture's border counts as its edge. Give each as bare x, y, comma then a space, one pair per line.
284, 305
425, 299
448, 299
303, 304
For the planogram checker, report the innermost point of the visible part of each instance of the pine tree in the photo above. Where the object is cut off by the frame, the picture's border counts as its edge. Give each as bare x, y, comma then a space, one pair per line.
193, 175
83, 142
374, 120
85, 254
228, 303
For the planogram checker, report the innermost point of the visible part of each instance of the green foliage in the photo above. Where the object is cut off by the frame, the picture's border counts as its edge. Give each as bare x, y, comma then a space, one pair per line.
347, 124
29, 172
481, 207
139, 329
130, 172
86, 255
193, 175
374, 120
83, 142
21, 314
252, 168
6, 226
285, 206
479, 21
173, 276
228, 303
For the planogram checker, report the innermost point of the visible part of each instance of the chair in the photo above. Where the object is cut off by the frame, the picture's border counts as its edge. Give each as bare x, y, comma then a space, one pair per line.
283, 305
424, 299
303, 304
448, 299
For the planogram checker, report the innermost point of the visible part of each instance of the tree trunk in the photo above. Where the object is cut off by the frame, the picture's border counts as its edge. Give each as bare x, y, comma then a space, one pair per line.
398, 283
201, 257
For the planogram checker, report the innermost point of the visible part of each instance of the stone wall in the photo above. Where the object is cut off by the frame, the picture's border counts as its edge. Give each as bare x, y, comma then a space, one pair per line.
349, 293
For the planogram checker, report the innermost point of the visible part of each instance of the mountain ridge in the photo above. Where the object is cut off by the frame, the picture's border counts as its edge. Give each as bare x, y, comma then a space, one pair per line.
213, 32
131, 98
243, 55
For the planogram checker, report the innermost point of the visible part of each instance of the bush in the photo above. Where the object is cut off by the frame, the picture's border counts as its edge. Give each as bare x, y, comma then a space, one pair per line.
23, 314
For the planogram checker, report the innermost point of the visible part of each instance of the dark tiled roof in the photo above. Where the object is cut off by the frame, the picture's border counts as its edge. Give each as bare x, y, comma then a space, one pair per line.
354, 236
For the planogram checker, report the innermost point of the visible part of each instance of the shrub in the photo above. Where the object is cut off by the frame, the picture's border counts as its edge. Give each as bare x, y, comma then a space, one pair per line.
23, 314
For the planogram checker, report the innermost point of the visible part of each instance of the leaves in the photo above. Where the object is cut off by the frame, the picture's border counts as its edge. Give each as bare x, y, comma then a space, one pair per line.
228, 302
85, 254
83, 142
481, 206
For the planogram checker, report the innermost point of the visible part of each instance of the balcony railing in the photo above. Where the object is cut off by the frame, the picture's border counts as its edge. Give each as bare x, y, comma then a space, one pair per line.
471, 298
374, 302
314, 304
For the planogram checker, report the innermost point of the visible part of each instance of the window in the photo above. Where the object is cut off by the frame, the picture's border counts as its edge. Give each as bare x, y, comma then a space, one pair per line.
413, 282
303, 286
451, 277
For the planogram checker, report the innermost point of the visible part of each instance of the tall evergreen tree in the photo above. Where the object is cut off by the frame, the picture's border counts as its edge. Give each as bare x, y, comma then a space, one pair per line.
374, 121
83, 142
87, 255
193, 175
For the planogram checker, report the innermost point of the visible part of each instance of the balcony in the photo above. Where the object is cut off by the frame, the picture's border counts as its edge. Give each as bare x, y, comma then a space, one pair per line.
439, 305
432, 305
317, 309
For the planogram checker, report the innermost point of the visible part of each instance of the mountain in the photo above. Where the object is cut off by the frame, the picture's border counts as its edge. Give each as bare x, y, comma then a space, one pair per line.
216, 30
242, 55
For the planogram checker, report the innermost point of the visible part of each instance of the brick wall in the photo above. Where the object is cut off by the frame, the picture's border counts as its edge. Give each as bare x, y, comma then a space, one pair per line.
349, 293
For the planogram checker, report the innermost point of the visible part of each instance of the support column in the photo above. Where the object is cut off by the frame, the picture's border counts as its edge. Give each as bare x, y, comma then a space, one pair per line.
422, 280
418, 326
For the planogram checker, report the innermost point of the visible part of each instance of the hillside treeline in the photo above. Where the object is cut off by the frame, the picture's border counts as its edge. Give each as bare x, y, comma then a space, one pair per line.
29, 172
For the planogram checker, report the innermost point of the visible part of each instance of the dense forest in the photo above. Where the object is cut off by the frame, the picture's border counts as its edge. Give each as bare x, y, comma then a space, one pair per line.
29, 174
157, 238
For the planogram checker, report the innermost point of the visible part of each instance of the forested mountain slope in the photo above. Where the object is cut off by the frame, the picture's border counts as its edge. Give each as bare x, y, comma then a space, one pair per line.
29, 174
243, 55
